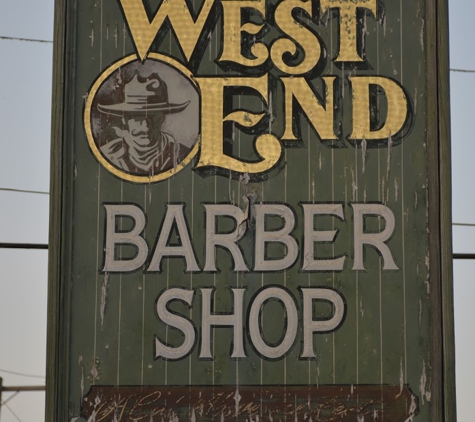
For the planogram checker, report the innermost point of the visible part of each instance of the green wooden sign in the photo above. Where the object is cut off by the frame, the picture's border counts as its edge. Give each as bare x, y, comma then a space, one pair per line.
250, 213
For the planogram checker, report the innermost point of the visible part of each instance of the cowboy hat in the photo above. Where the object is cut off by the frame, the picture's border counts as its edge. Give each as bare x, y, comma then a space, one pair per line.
143, 96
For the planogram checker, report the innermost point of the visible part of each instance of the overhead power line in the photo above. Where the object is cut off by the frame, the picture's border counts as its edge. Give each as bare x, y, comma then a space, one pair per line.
11, 411
464, 255
47, 193
21, 374
4, 245
463, 70
24, 191
2, 37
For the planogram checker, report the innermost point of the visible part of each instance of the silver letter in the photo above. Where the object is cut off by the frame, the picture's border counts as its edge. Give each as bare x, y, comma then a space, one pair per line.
132, 237
279, 236
374, 239
228, 320
226, 240
178, 322
310, 325
311, 236
292, 323
174, 214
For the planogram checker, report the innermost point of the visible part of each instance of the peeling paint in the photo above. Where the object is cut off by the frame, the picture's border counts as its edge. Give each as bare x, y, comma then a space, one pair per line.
346, 184
390, 146
412, 409
425, 394
401, 377
354, 185
237, 400
422, 35
415, 100
363, 153
92, 37
364, 31
104, 292
420, 313
116, 35
296, 417
271, 112
427, 263
80, 363
94, 372
245, 179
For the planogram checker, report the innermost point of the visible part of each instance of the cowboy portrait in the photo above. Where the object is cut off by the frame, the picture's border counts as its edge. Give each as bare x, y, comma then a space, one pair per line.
141, 146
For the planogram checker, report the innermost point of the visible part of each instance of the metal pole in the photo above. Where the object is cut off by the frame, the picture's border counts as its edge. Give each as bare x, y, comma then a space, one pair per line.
1, 389
25, 388
17, 390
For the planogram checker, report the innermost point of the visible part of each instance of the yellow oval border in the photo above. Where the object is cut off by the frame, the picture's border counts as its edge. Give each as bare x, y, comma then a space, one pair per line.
88, 126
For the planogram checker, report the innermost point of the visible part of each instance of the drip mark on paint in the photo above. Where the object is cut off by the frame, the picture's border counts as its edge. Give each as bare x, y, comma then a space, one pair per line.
364, 145
390, 146
104, 291
92, 37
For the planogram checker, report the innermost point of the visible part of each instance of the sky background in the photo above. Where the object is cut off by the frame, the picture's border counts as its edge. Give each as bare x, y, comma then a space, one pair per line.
25, 103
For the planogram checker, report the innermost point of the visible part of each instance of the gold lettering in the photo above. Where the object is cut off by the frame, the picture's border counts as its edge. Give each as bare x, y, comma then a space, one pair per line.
267, 146
308, 41
320, 116
348, 25
186, 29
397, 107
232, 29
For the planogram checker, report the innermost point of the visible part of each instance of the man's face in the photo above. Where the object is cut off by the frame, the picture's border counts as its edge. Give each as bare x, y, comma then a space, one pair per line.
139, 131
